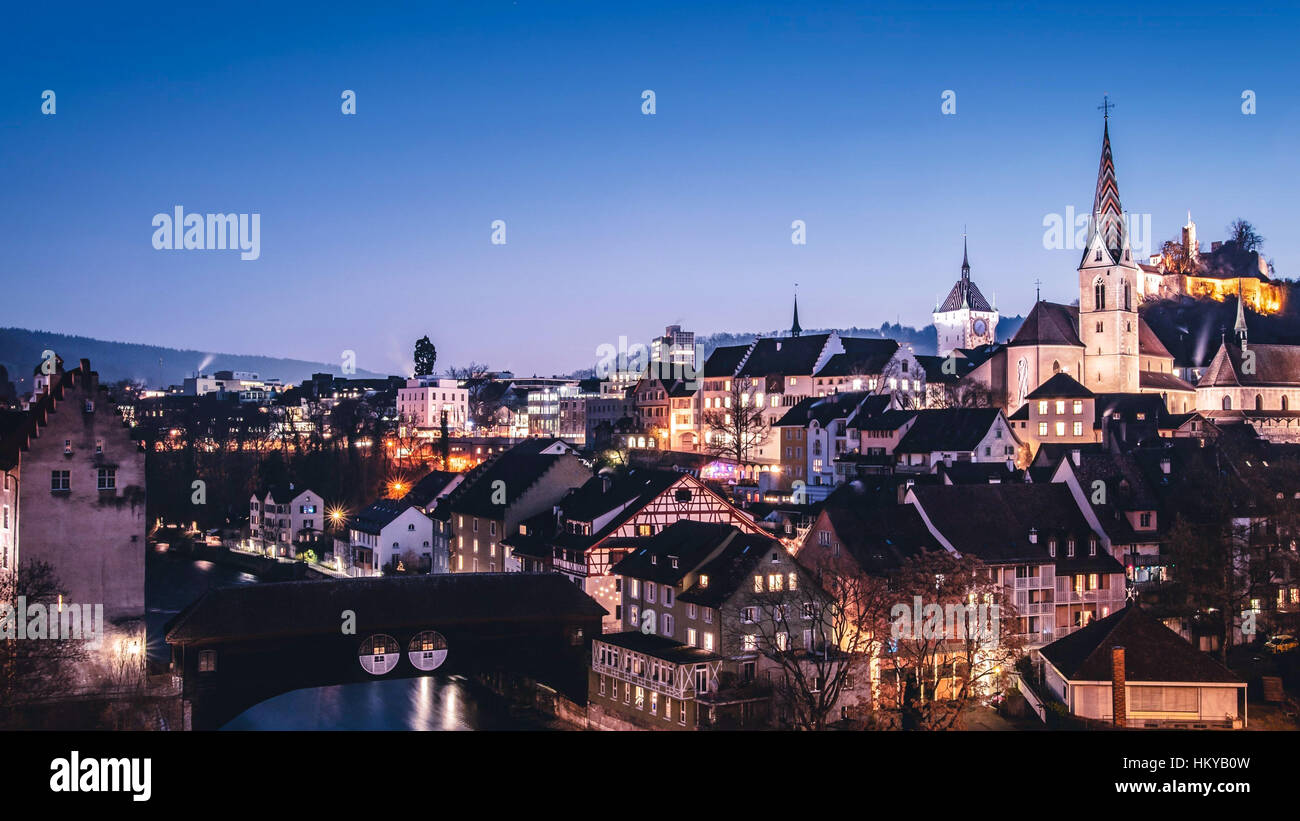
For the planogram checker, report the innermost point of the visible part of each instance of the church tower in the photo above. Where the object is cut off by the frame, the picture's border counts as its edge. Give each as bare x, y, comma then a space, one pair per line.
1108, 288
965, 319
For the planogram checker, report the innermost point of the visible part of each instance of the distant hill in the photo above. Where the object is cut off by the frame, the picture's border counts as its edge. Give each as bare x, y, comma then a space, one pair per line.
21, 349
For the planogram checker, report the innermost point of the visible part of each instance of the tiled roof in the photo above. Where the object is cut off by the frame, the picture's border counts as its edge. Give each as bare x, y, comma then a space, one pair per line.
951, 429
724, 361
686, 540
993, 522
1060, 385
1159, 381
1152, 652
377, 516
861, 356
823, 409
1049, 324
786, 356
1277, 365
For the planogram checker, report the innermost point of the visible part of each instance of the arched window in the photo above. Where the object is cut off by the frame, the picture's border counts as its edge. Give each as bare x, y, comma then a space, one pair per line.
1056, 366
1099, 294
1259, 402
1285, 403
1227, 402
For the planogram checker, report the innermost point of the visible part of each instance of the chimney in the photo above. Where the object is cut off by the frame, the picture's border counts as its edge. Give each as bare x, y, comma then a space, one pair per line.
1075, 456
1033, 535
1164, 465
1119, 704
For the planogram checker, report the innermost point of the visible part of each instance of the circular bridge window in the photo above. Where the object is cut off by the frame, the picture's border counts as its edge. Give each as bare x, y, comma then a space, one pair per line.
379, 654
428, 650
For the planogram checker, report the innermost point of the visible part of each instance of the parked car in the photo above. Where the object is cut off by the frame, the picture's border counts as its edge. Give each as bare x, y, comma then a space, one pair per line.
1281, 643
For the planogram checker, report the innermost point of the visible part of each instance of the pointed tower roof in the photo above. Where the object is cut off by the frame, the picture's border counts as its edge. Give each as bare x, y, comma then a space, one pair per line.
1107, 213
964, 294
1240, 327
795, 330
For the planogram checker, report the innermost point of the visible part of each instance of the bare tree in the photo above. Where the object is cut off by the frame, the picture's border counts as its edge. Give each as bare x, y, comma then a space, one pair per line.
810, 640
961, 644
35, 670
738, 430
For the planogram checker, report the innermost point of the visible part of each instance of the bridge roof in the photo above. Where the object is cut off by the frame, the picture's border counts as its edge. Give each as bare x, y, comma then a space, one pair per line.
313, 608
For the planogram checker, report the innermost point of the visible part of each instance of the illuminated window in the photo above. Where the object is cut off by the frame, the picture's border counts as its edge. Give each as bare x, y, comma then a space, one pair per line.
1060, 428
1042, 428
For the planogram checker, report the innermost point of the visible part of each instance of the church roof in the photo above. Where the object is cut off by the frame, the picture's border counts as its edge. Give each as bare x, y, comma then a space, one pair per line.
964, 294
1049, 323
1274, 365
1149, 344
1107, 214
1160, 381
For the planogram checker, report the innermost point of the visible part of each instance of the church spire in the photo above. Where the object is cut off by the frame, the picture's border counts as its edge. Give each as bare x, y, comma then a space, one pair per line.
795, 330
965, 259
1240, 327
1107, 213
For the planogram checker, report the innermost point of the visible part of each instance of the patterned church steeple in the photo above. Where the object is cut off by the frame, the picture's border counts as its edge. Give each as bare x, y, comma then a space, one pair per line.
1107, 213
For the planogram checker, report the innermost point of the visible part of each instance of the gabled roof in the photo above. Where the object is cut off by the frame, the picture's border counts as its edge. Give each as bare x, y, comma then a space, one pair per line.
950, 429
18, 428
1277, 365
786, 355
601, 494
378, 515
934, 368
1160, 381
724, 361
861, 356
729, 569
878, 532
517, 469
822, 409
1060, 385
994, 522
1152, 652
423, 492
1049, 323
885, 420
686, 541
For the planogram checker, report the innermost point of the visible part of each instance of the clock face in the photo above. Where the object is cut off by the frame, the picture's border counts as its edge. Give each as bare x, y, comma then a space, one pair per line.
980, 327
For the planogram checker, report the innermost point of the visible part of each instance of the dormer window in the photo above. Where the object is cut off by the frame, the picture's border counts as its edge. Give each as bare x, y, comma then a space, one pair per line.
1069, 546
704, 580
654, 560
1051, 548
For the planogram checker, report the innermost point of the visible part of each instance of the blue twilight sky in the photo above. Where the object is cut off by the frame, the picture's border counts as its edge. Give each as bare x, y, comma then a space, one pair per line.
376, 228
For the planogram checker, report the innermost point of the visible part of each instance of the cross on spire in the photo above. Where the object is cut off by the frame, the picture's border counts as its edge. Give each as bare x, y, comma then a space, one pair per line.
1038, 296
1106, 106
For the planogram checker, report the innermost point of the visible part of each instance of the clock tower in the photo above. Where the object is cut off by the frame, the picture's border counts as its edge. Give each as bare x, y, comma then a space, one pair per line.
965, 319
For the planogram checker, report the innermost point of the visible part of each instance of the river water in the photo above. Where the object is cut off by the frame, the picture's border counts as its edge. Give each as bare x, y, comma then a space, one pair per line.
427, 703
